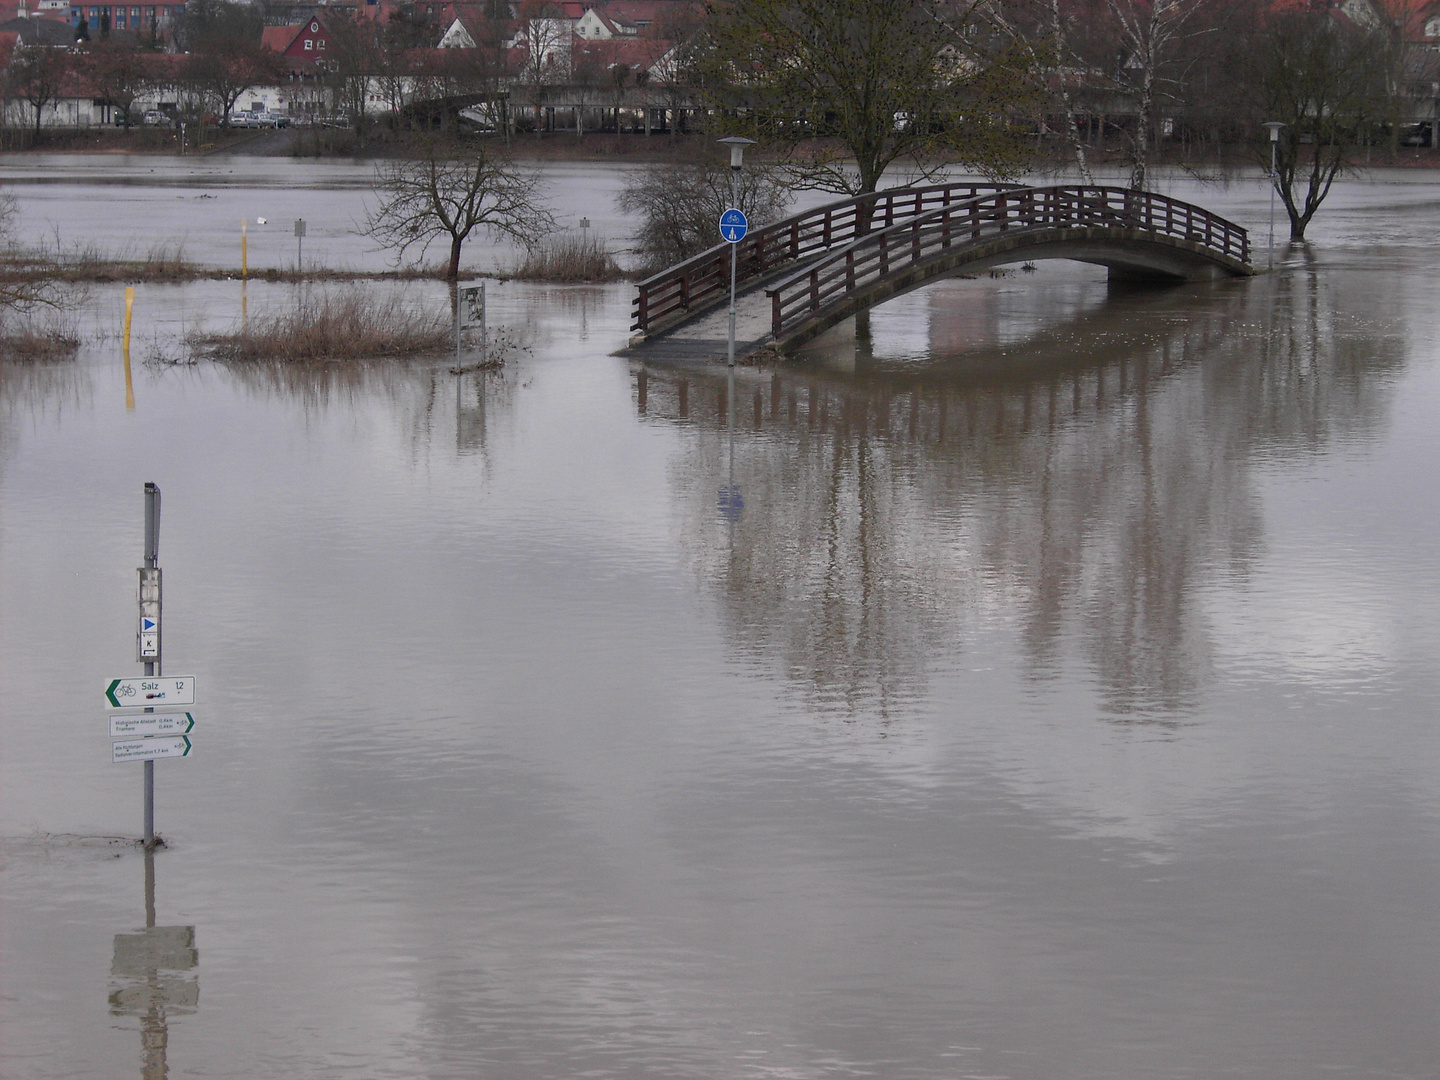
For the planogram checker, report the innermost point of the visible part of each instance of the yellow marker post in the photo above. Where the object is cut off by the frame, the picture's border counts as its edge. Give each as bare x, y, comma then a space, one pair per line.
244, 253
129, 384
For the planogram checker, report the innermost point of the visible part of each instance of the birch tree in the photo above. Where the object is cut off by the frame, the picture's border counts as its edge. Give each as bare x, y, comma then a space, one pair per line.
1148, 32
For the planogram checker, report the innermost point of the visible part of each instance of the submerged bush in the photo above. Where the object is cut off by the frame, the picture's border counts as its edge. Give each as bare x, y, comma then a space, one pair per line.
569, 258
45, 339
349, 325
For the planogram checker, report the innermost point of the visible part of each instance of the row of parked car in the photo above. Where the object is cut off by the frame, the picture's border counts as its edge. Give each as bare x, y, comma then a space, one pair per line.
259, 120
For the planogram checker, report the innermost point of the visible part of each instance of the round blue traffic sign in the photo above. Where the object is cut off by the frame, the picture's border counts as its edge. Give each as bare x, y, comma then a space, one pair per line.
733, 225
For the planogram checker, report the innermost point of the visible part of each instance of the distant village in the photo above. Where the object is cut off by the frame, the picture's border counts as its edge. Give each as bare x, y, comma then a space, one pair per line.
502, 67
491, 67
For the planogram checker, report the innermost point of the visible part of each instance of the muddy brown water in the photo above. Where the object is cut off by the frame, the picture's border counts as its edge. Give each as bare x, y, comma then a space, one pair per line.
1039, 684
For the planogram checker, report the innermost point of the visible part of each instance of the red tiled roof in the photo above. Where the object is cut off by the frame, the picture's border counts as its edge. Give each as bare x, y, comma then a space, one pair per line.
279, 38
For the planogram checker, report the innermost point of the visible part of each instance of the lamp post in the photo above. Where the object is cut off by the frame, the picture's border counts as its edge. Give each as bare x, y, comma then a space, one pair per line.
737, 144
1272, 126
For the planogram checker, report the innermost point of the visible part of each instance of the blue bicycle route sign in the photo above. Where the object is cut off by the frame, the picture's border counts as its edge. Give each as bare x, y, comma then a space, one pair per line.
733, 225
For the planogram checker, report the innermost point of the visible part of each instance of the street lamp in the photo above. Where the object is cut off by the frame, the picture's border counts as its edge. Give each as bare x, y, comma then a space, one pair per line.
1272, 126
737, 144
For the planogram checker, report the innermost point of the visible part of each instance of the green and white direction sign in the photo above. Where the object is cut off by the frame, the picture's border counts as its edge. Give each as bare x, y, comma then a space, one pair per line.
143, 725
149, 749
151, 691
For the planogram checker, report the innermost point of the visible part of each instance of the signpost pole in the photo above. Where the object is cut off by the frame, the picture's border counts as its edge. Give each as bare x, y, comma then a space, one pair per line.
152, 560
737, 144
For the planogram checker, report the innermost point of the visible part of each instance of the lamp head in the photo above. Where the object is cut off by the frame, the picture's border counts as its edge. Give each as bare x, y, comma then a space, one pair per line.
737, 144
1273, 126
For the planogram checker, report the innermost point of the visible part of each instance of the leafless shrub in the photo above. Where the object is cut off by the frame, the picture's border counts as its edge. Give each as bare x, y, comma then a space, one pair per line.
24, 337
679, 206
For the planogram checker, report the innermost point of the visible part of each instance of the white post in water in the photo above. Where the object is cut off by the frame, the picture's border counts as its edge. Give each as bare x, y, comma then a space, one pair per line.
150, 594
737, 144
1272, 126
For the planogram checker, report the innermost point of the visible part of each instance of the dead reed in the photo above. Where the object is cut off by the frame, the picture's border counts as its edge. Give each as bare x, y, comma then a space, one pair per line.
40, 340
86, 262
569, 258
346, 325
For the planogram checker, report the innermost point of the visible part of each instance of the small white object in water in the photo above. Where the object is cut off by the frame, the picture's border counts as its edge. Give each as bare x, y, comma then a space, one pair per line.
259, 221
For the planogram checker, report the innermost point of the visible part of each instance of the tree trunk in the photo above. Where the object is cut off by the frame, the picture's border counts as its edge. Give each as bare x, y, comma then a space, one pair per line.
453, 273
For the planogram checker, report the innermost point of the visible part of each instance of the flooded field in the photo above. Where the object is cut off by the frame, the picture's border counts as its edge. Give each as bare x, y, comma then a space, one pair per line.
1040, 685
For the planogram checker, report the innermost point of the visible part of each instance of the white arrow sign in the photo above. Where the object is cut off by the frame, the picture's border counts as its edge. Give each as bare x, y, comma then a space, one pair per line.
151, 690
149, 749
136, 725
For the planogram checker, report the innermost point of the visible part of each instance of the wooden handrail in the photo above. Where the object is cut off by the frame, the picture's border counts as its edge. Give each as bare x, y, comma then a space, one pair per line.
927, 235
704, 278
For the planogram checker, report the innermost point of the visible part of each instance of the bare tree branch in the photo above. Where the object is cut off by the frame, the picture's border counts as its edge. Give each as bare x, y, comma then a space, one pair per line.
445, 195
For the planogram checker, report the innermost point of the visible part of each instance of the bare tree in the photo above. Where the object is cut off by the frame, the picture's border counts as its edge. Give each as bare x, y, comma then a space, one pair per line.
679, 205
879, 80
1327, 81
448, 195
1149, 32
36, 75
120, 72
220, 70
544, 37
1042, 32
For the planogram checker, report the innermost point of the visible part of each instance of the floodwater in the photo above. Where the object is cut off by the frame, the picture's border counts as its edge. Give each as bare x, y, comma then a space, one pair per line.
1040, 685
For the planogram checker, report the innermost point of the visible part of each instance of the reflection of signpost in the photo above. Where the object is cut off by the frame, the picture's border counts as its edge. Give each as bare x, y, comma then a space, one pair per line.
152, 978
148, 981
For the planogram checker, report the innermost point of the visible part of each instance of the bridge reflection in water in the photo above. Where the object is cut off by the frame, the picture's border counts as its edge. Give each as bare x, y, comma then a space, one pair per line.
1081, 507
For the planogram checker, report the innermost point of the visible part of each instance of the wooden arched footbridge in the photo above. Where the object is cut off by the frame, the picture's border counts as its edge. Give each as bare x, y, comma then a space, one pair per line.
828, 264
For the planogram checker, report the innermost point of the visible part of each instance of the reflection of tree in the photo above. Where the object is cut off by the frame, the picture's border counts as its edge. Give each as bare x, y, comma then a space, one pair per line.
431, 406
889, 512
35, 388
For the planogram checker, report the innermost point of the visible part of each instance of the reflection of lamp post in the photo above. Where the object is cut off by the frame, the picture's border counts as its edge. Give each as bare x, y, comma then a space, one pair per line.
731, 502
1272, 126
737, 144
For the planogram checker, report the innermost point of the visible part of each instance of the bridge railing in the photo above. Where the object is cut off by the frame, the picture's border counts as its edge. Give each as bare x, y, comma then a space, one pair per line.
705, 278
925, 236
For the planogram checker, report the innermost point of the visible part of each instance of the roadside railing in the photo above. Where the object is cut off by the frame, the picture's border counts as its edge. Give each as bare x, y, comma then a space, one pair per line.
705, 278
925, 236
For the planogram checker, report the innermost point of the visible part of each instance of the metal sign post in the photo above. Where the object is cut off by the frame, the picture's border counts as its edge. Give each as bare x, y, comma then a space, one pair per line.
733, 227
299, 245
152, 659
470, 311
147, 735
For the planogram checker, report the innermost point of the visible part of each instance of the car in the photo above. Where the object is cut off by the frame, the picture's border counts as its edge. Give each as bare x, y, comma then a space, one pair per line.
245, 120
155, 118
274, 120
